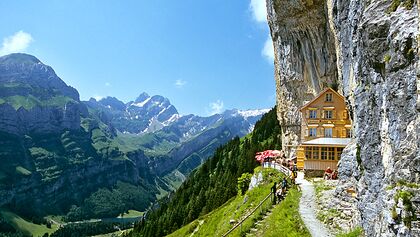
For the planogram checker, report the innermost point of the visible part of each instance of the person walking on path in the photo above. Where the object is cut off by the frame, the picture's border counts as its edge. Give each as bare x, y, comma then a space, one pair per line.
273, 190
284, 185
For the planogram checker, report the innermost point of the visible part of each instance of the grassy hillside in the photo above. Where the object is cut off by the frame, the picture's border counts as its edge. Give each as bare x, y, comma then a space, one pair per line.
216, 223
284, 217
23, 95
214, 183
61, 159
26, 227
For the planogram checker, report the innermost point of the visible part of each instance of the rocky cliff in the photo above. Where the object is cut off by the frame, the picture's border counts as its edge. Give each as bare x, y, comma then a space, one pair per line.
34, 99
305, 59
369, 51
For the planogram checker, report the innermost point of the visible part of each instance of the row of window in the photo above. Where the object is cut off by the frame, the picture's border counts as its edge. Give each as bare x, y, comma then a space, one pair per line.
328, 132
328, 114
323, 153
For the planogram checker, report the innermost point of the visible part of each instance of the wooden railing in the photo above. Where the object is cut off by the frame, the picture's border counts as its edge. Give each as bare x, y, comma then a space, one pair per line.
277, 166
239, 224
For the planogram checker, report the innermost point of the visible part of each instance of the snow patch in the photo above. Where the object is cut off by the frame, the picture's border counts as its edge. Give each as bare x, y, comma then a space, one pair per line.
252, 113
172, 119
141, 104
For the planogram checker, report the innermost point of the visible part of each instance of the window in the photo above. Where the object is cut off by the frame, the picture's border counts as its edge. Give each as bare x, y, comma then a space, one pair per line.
339, 151
331, 153
312, 132
312, 114
328, 132
315, 153
348, 133
328, 114
308, 152
328, 97
323, 153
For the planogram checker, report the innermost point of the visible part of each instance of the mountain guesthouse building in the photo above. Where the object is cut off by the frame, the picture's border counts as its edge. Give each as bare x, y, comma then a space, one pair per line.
326, 130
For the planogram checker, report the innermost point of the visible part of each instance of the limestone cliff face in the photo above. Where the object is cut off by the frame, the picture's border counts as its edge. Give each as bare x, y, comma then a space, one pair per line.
305, 59
374, 45
34, 99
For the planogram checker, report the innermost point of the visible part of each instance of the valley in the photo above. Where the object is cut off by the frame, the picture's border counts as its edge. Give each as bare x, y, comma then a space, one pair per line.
95, 159
260, 118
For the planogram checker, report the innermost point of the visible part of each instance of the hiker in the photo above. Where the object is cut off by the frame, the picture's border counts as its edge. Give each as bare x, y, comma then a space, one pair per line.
293, 177
284, 185
328, 173
295, 167
279, 195
273, 190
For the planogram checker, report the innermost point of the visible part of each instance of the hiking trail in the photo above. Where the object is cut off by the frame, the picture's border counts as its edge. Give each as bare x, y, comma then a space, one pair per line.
307, 208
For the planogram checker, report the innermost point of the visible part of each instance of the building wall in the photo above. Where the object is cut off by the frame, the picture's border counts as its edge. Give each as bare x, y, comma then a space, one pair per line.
340, 122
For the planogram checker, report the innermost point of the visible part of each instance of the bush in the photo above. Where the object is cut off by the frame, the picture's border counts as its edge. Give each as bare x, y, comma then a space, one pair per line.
243, 183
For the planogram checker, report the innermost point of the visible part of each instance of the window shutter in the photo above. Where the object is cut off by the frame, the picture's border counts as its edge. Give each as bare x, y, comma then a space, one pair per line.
322, 114
345, 114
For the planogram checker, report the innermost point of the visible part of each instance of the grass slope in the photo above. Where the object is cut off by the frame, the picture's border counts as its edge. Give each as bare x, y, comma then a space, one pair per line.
285, 219
26, 227
217, 223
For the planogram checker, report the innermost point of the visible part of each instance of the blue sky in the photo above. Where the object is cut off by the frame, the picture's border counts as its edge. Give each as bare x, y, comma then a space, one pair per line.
205, 56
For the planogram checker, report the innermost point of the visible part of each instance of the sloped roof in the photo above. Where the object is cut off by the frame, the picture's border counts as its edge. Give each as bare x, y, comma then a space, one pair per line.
328, 141
319, 95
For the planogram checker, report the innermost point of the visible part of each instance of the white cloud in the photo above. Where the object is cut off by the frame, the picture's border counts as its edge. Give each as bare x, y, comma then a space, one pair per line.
180, 83
268, 50
16, 43
259, 10
107, 84
216, 107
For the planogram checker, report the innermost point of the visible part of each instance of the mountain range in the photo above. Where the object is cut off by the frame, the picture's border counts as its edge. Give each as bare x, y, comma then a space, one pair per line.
63, 156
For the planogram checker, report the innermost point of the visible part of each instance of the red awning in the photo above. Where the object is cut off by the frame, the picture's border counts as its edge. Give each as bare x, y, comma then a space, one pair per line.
260, 156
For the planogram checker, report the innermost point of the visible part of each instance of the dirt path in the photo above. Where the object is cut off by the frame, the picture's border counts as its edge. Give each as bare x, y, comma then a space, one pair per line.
307, 208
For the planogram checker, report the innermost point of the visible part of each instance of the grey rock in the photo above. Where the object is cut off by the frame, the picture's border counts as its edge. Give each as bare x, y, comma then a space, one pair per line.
305, 60
371, 52
25, 76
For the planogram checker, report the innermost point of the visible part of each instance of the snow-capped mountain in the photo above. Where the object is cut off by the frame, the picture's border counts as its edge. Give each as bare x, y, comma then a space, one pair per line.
152, 113
145, 114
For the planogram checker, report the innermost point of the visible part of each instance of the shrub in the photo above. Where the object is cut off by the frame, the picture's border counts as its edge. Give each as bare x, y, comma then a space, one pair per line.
243, 183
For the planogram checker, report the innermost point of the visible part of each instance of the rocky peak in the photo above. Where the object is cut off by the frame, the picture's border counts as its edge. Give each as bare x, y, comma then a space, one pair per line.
142, 97
112, 102
19, 58
26, 70
34, 98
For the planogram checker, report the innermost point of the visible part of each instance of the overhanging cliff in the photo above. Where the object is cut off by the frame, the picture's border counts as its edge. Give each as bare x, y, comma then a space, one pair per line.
369, 50
305, 60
